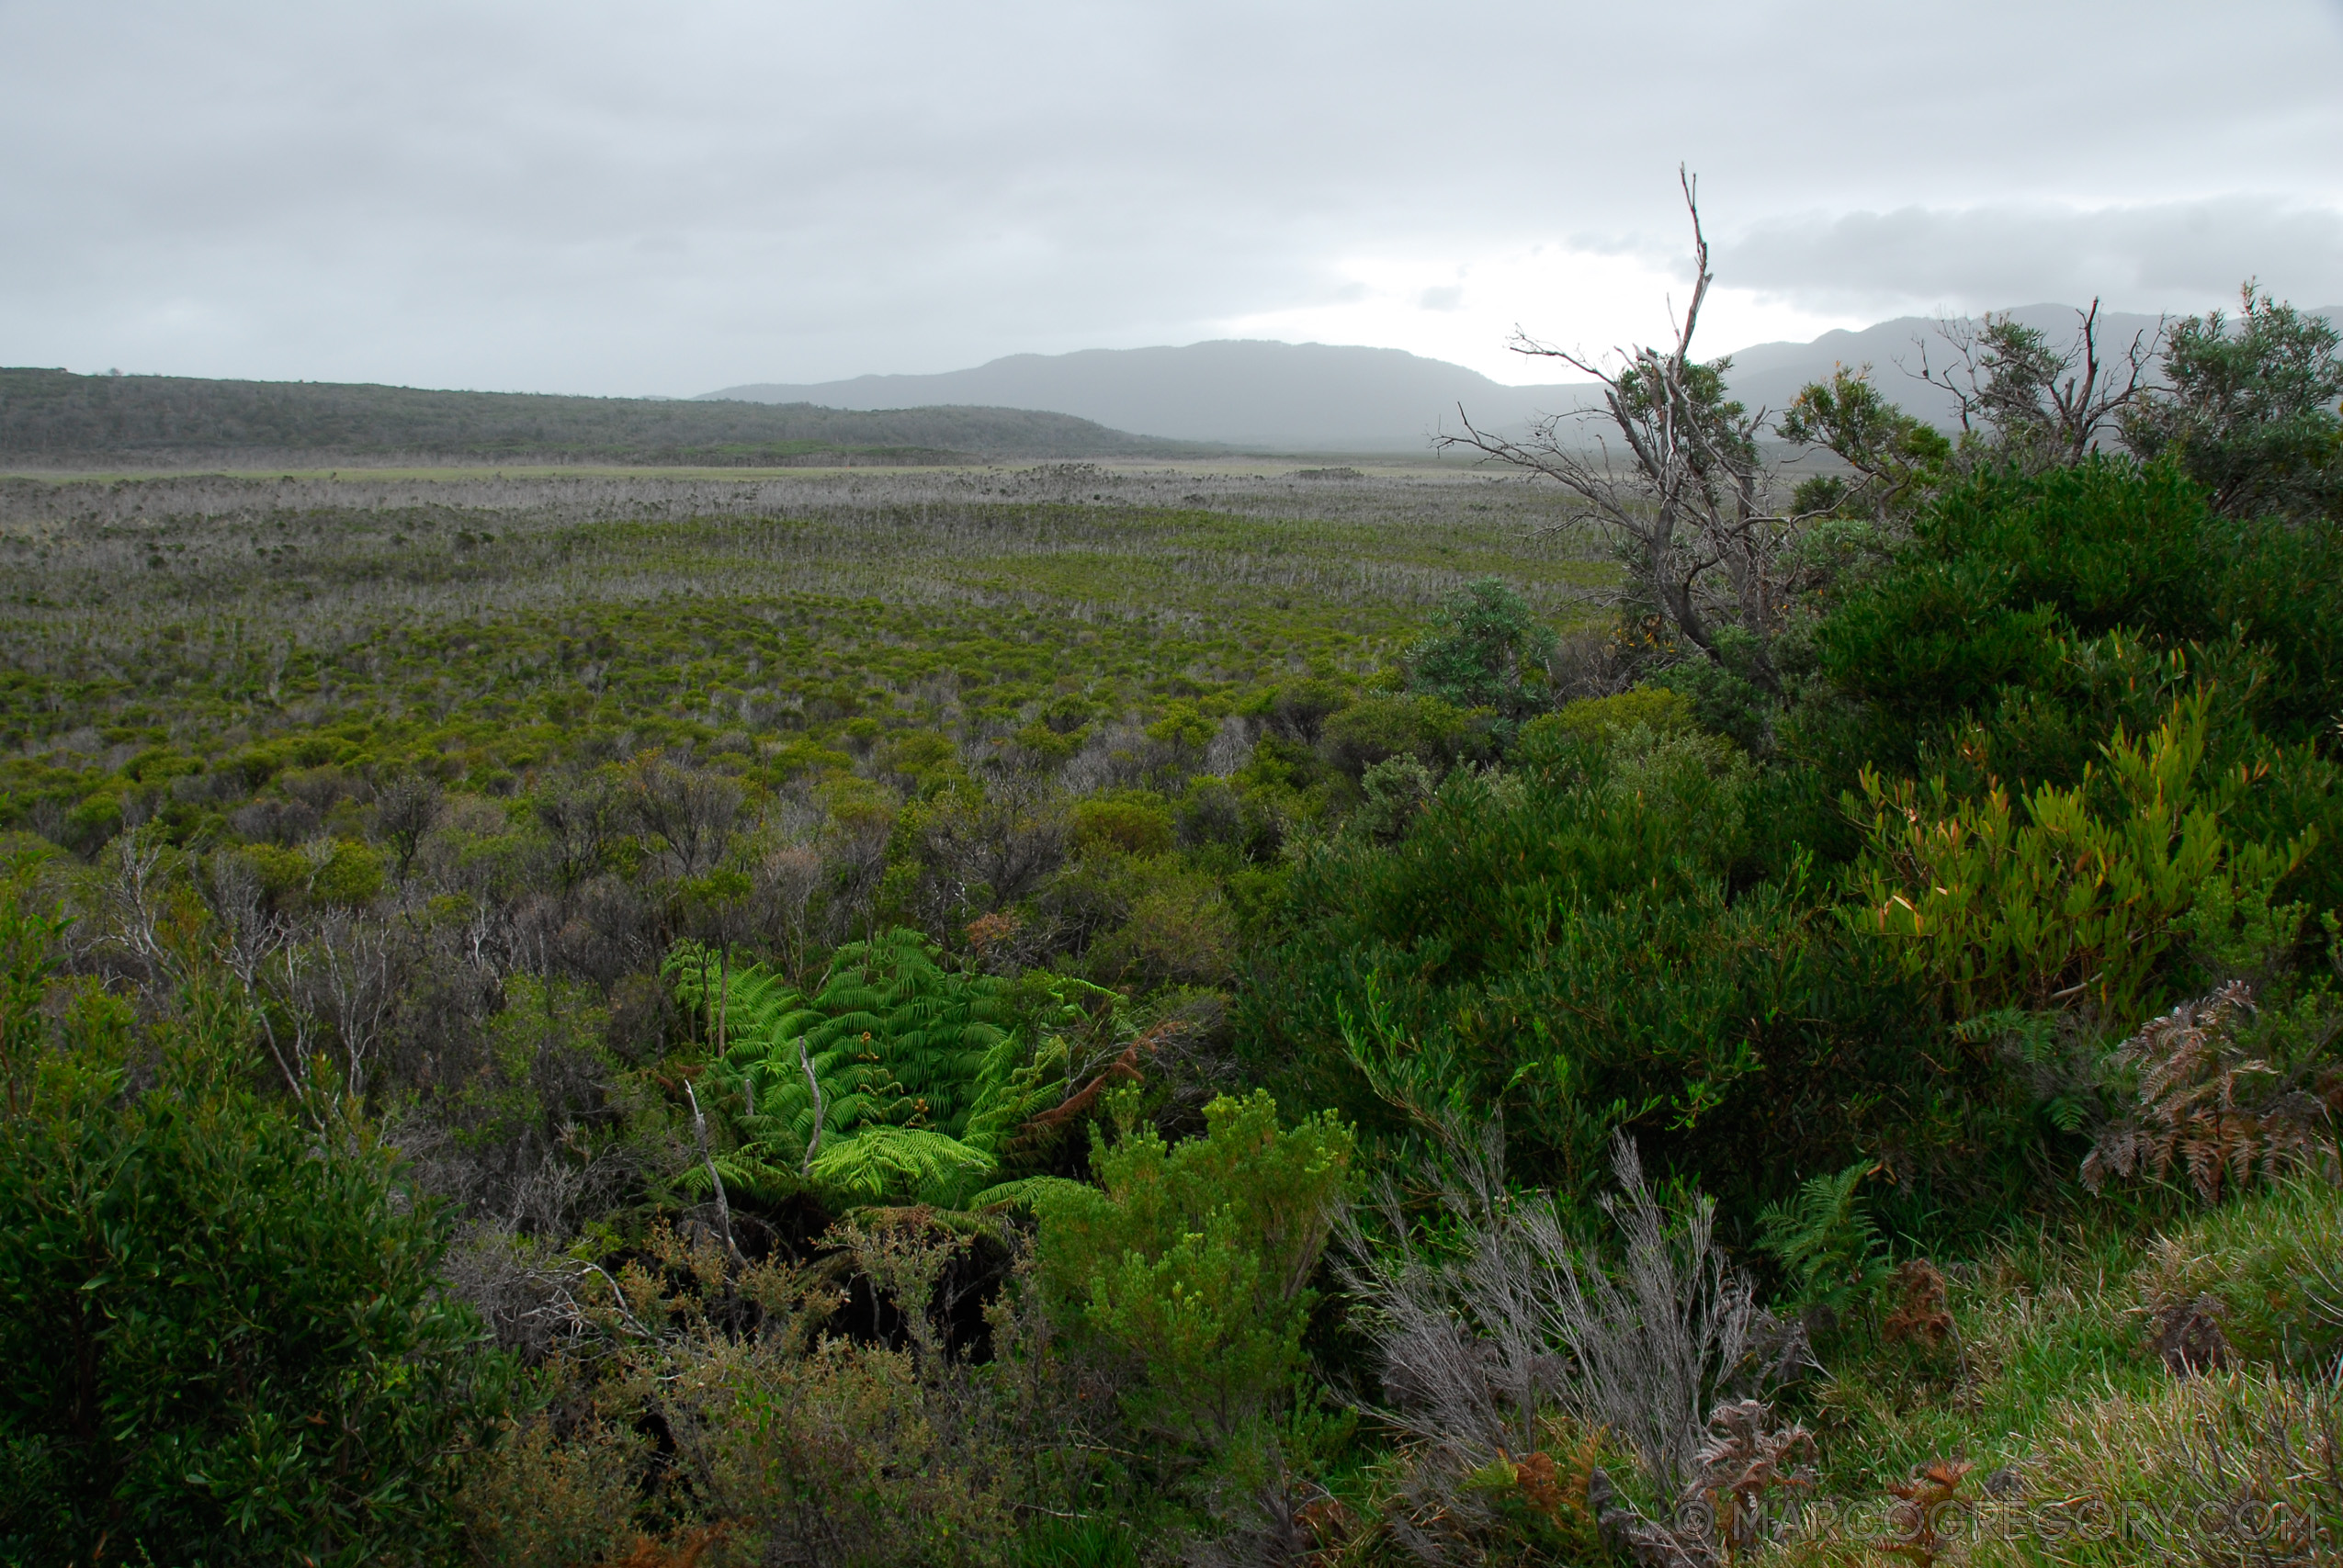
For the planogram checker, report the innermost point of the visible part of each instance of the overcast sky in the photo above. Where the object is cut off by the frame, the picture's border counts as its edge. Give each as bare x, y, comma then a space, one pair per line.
667, 198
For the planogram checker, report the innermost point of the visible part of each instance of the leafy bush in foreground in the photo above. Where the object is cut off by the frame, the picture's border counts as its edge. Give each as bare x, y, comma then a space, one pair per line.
1193, 1261
224, 1329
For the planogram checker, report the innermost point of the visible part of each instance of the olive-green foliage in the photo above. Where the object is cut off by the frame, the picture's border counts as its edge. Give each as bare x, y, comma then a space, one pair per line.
544, 1498
781, 1443
1192, 1260
1164, 922
1396, 789
1557, 942
1599, 719
475, 630
224, 1329
1427, 728
336, 873
919, 1074
1137, 822
548, 1034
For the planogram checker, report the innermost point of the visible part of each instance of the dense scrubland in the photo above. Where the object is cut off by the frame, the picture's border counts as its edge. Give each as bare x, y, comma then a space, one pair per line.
1631, 1008
55, 419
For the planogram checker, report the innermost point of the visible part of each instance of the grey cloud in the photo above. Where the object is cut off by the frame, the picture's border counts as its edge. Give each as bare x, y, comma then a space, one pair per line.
2182, 254
601, 197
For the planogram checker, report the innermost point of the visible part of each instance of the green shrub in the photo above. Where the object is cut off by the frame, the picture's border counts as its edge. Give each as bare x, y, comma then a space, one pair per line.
2009, 579
546, 1074
1434, 731
1938, 635
1561, 943
1598, 719
781, 1443
1183, 725
1396, 788
1298, 709
1484, 650
1048, 744
1172, 925
838, 1457
1134, 822
92, 820
224, 1334
335, 872
1192, 1260
2005, 574
2064, 898
549, 1498
1725, 693
2282, 590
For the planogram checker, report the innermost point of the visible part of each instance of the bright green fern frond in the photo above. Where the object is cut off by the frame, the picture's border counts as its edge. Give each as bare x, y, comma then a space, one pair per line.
881, 1163
1828, 1245
747, 1173
752, 998
921, 1074
1028, 1192
1011, 1087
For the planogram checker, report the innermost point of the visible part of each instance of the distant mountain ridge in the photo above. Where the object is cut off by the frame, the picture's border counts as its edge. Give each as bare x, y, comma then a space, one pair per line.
53, 418
1243, 393
1325, 398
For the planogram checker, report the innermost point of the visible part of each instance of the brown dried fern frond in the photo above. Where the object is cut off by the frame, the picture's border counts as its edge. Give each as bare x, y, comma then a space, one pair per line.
1931, 1500
1742, 1461
1924, 1313
2209, 1106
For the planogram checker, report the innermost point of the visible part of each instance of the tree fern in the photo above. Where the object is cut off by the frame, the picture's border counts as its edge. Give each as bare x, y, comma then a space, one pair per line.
896, 1080
1028, 1191
881, 1163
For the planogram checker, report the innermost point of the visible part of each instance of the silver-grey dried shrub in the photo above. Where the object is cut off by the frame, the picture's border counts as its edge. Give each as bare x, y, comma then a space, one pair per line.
1517, 1321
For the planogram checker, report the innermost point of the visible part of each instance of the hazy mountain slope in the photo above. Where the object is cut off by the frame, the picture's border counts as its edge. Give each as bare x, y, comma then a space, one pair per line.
1306, 396
1317, 397
53, 417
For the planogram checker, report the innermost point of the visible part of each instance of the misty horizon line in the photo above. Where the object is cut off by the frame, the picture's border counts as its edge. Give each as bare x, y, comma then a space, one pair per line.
715, 394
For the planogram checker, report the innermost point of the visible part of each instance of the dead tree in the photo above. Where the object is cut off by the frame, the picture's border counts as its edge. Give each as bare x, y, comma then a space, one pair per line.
357, 973
1670, 469
2041, 407
691, 811
250, 938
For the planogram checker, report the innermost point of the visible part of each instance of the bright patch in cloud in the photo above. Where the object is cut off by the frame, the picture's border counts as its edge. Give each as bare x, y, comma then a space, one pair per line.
1573, 299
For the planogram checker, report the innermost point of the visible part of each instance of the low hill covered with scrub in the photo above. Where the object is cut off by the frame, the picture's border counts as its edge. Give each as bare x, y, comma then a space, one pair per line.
1657, 1013
55, 419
